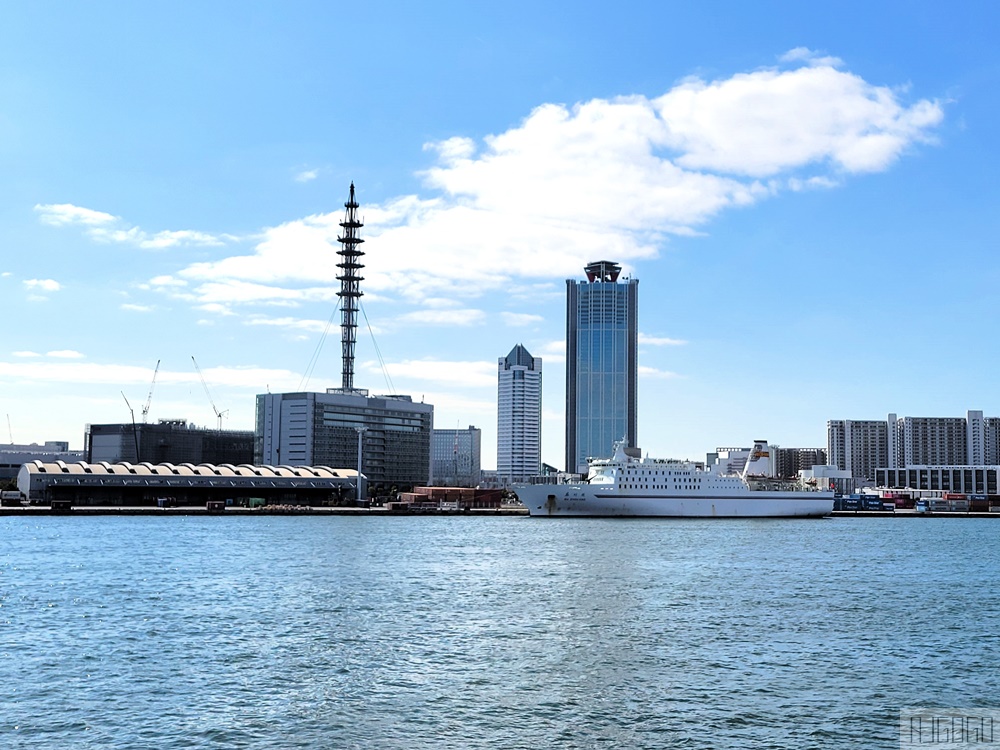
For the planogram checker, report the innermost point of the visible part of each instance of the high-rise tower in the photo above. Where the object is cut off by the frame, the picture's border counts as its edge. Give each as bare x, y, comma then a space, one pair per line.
602, 341
519, 416
350, 290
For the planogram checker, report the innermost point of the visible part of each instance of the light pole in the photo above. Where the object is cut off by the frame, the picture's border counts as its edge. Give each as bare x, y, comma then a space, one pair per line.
358, 497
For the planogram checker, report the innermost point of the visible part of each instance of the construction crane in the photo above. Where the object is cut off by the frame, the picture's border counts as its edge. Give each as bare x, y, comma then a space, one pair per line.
135, 432
219, 414
149, 398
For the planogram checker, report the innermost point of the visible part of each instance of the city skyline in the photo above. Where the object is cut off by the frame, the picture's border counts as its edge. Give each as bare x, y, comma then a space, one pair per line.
807, 199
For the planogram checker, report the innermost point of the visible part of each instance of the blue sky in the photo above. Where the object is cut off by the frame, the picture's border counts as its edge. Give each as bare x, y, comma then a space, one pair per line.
807, 195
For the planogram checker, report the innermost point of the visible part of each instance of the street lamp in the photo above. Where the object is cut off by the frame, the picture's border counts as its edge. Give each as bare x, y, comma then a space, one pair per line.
357, 483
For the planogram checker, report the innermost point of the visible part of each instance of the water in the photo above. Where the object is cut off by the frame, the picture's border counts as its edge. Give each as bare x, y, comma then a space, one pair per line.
447, 632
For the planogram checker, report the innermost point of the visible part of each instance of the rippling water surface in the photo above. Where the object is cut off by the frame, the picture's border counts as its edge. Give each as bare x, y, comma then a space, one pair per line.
449, 632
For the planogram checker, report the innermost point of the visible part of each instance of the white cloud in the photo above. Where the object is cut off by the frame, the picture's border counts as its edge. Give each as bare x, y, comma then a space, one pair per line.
216, 309
467, 374
459, 317
553, 351
318, 326
64, 354
307, 175
181, 237
131, 307
167, 281
764, 123
811, 57
659, 341
652, 372
250, 378
453, 150
520, 319
105, 227
25, 354
63, 214
609, 178
42, 285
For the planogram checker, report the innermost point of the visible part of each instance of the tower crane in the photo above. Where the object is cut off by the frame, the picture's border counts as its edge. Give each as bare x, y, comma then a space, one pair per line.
219, 414
149, 398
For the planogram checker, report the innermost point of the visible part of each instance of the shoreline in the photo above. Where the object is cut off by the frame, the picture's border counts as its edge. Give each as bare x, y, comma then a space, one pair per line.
195, 510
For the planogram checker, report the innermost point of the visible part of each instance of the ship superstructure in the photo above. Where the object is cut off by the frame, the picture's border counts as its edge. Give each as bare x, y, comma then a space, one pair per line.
625, 485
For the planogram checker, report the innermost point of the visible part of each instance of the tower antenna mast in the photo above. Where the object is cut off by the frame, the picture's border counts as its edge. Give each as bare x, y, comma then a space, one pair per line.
350, 291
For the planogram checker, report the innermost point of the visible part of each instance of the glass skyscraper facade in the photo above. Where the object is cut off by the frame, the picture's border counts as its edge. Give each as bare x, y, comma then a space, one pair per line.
601, 363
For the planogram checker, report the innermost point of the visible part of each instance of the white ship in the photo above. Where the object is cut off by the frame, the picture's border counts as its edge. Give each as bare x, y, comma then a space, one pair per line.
625, 485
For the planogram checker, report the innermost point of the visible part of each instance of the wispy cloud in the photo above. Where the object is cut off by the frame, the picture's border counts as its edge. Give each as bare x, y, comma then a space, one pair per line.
811, 57
132, 307
64, 354
318, 326
25, 354
652, 372
250, 378
659, 341
457, 373
105, 227
307, 175
457, 317
64, 214
42, 285
520, 319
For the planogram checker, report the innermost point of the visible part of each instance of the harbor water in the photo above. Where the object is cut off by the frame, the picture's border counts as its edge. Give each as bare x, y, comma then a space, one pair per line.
451, 632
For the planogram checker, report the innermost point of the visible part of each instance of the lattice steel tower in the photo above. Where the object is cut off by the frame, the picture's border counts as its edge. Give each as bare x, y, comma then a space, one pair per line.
350, 291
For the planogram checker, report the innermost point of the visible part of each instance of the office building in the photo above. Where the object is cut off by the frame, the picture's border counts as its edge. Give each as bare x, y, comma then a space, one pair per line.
390, 434
519, 416
172, 441
456, 457
601, 363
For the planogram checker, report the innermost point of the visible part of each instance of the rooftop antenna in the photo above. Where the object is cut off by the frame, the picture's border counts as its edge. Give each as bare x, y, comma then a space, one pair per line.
350, 291
218, 414
9, 430
149, 398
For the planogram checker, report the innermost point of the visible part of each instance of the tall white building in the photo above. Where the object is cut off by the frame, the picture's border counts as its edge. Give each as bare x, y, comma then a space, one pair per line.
519, 416
861, 446
991, 441
858, 446
933, 441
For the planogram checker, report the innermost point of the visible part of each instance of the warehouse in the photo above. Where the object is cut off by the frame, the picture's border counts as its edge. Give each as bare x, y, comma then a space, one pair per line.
183, 484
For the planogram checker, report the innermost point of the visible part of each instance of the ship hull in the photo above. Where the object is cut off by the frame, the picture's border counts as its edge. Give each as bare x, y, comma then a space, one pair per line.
583, 500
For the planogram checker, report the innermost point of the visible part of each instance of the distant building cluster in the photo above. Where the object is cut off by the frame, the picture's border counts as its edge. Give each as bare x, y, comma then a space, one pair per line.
390, 442
863, 447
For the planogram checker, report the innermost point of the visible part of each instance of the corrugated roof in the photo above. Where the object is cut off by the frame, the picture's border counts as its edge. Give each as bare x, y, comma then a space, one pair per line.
188, 470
